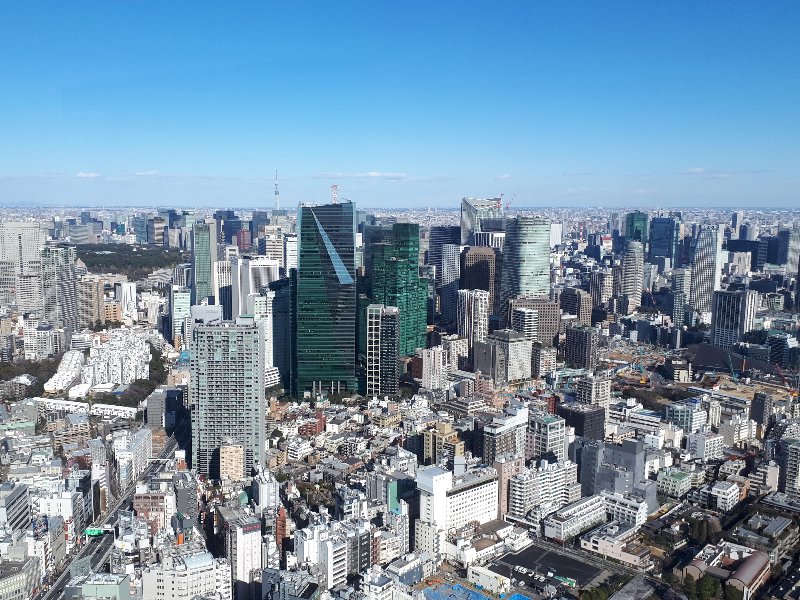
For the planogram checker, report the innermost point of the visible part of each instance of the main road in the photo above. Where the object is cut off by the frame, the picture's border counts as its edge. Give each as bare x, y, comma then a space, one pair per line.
98, 549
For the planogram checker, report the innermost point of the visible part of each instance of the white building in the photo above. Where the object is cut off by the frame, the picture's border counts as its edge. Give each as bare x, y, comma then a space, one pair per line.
68, 373
626, 508
705, 445
242, 544
434, 373
120, 356
125, 294
546, 435
132, 452
538, 491
473, 316
688, 415
182, 577
575, 518
448, 502
738, 430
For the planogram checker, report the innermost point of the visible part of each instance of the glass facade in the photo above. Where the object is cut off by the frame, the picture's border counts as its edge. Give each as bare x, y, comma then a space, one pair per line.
202, 236
396, 282
324, 300
664, 238
526, 260
637, 226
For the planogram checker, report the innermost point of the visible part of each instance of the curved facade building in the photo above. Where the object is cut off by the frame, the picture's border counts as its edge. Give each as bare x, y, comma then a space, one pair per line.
526, 260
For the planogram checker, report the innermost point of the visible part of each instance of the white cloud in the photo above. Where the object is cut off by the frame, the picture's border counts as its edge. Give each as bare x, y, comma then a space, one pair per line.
151, 173
721, 173
695, 171
366, 175
87, 175
502, 177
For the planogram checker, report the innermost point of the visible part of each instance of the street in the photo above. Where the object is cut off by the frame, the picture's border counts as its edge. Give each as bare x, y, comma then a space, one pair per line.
99, 551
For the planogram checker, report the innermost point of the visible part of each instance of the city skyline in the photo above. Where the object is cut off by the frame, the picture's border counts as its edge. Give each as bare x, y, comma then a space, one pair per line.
550, 105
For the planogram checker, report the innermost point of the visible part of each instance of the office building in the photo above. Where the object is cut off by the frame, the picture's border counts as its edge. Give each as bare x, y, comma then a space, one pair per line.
526, 262
473, 316
396, 282
732, 315
789, 250
155, 230
665, 235
249, 276
582, 347
15, 506
186, 574
324, 301
706, 268
383, 350
204, 254
478, 214
180, 304
20, 264
479, 272
546, 437
587, 420
548, 317
438, 236
526, 321
576, 302
227, 393
450, 278
637, 227
632, 276
505, 356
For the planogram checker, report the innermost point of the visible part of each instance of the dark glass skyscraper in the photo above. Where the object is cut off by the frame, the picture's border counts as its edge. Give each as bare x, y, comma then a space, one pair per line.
396, 282
637, 225
664, 238
324, 300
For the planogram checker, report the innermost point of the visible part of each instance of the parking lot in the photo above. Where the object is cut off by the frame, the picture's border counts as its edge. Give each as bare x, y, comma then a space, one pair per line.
542, 562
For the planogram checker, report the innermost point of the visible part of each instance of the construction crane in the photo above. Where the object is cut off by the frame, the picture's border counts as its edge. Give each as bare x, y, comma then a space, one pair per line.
335, 193
793, 392
734, 376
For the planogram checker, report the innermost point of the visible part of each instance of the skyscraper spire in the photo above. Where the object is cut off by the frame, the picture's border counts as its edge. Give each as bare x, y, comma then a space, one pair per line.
277, 193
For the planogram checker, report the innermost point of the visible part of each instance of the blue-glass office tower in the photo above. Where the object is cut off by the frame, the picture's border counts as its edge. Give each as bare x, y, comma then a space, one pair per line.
664, 238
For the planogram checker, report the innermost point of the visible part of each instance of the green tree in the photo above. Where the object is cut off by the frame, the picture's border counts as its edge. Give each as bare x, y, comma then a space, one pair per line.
732, 593
690, 587
707, 587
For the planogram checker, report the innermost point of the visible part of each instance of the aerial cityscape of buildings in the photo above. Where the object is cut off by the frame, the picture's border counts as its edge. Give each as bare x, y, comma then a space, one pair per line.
335, 402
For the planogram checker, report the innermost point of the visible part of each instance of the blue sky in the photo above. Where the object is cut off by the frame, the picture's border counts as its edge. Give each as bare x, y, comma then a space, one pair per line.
595, 103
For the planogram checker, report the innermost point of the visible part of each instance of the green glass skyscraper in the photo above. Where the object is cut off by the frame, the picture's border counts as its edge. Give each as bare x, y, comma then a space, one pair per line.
204, 249
637, 226
396, 282
324, 300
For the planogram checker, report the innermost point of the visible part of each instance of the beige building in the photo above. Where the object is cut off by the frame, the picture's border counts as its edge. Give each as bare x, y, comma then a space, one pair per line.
441, 439
231, 461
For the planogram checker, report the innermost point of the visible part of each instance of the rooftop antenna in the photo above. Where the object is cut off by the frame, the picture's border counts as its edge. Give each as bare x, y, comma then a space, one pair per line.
335, 193
277, 193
